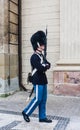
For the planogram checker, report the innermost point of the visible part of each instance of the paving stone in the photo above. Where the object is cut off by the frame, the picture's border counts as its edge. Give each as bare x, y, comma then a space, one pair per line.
63, 110
13, 121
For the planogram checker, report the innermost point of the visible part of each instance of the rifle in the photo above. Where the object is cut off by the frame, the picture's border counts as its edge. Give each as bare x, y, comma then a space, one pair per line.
45, 50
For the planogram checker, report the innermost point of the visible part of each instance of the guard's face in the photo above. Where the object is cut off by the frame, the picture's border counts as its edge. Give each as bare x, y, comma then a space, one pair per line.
41, 48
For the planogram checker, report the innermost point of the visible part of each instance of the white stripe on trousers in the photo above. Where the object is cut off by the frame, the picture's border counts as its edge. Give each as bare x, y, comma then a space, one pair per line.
34, 101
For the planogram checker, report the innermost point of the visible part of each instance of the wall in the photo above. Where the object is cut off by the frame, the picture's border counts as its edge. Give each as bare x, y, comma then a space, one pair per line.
36, 15
8, 54
67, 71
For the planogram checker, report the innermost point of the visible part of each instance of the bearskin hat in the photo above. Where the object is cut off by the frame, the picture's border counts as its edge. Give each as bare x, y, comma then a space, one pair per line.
38, 39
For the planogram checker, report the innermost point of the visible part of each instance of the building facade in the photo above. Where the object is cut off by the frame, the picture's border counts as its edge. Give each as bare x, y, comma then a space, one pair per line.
19, 20
9, 75
36, 15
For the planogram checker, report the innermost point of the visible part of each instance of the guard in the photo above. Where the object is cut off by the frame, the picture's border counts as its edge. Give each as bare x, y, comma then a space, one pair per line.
39, 79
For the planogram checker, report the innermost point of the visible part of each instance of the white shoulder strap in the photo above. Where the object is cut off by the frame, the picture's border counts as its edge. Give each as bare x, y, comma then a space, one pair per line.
40, 57
34, 71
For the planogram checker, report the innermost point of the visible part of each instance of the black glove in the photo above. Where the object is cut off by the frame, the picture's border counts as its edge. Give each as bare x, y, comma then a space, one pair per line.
48, 65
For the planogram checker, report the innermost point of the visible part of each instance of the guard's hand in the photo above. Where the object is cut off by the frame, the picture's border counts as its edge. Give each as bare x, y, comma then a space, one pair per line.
48, 65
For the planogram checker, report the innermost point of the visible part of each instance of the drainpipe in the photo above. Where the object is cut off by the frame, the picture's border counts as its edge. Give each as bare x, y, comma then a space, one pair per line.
8, 78
20, 47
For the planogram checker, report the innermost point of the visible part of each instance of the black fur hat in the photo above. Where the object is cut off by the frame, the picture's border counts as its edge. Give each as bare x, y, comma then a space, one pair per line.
37, 39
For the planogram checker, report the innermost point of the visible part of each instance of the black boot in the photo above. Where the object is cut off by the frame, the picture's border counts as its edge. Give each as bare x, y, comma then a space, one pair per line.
26, 117
46, 120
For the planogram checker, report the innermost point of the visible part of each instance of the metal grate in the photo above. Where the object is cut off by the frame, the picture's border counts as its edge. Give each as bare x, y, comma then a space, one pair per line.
13, 21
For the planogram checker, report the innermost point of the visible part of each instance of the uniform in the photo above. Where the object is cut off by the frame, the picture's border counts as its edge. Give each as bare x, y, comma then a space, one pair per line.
39, 81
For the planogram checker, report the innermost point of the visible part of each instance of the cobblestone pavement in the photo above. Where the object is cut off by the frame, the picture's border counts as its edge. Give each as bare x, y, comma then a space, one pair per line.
64, 112
14, 121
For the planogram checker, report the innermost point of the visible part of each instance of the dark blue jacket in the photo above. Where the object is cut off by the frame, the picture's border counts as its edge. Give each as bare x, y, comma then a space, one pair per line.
39, 76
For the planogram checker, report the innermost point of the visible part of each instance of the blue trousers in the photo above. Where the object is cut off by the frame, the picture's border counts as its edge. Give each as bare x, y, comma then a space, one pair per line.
39, 100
